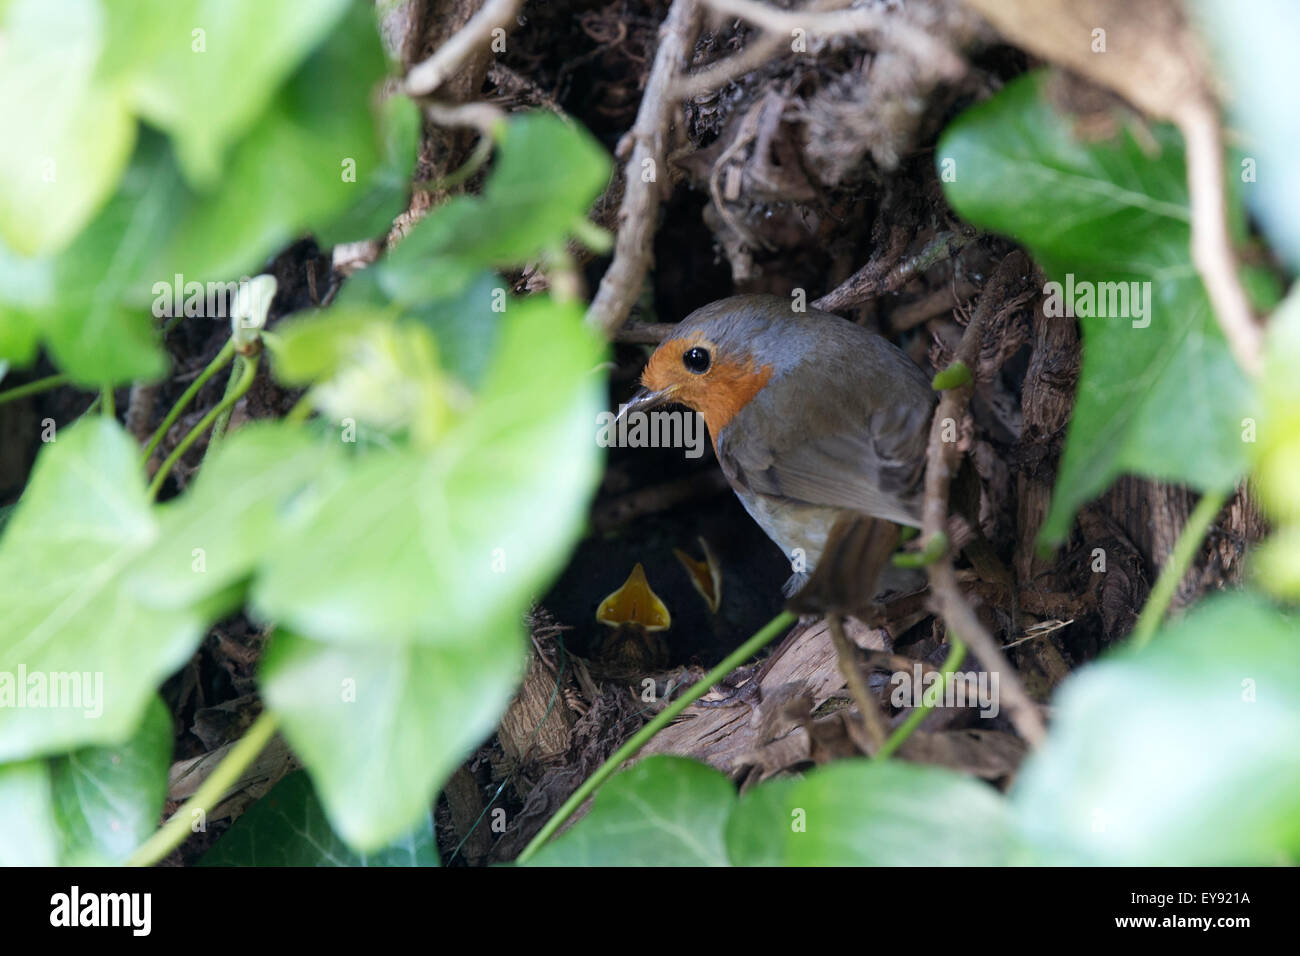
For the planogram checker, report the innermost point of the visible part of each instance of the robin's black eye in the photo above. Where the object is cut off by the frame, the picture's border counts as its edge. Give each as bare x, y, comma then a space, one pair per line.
696, 360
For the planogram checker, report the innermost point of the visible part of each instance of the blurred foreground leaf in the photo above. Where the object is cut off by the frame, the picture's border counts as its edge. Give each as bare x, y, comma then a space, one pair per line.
71, 626
664, 811
863, 813
381, 727
1179, 754
288, 828
422, 547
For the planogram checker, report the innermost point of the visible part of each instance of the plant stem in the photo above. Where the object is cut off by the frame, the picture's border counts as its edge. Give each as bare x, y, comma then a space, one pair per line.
233, 395
31, 388
638, 740
227, 352
1180, 559
107, 405
956, 654
301, 410
173, 833
236, 378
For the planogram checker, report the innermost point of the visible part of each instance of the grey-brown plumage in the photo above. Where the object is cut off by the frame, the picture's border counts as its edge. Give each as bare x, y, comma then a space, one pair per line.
811, 415
842, 424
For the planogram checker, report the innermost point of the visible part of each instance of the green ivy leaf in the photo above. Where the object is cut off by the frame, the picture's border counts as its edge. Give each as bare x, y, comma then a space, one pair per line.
381, 727
67, 133
287, 827
211, 75
29, 835
1181, 753
82, 522
204, 72
664, 811
1165, 400
1276, 451
89, 302
94, 322
370, 369
425, 547
215, 534
25, 286
547, 173
107, 799
386, 189
290, 173
863, 813
466, 326
749, 828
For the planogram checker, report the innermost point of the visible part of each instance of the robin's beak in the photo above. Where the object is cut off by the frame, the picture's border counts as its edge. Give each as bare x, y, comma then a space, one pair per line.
646, 399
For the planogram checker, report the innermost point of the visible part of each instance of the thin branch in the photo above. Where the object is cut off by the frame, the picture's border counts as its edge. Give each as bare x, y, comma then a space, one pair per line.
871, 280
484, 117
836, 22
776, 36
427, 76
942, 460
1211, 246
639, 211
757, 52
846, 652
645, 333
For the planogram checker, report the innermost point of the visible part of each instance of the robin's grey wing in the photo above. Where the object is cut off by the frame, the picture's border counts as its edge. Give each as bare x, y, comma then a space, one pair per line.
834, 449
858, 472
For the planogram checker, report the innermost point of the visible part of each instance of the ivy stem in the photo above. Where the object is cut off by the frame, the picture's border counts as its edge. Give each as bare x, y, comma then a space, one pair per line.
32, 388
226, 774
1180, 559
242, 362
301, 410
227, 352
956, 654
233, 394
661, 720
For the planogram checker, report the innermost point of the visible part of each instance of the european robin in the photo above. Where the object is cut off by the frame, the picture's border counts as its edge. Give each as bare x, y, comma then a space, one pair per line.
812, 417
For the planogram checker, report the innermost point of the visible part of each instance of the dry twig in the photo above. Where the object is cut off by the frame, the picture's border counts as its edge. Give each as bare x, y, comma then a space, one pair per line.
1211, 246
427, 76
942, 459
846, 653
836, 22
639, 212
872, 279
645, 333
